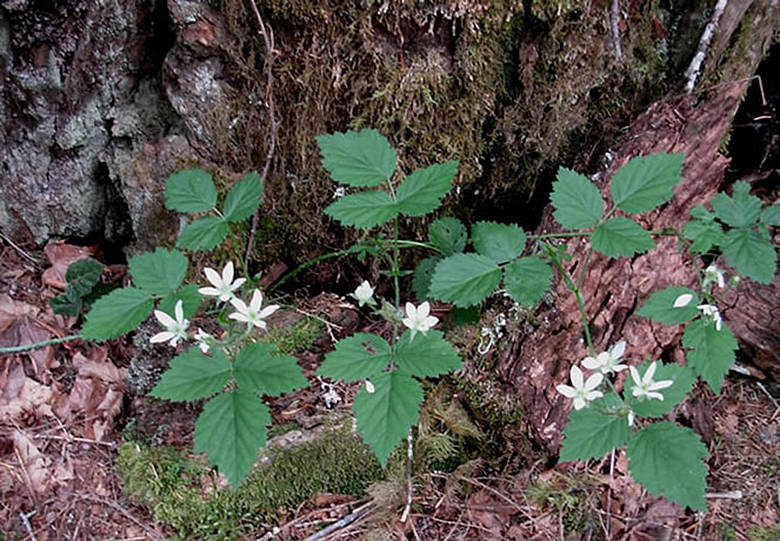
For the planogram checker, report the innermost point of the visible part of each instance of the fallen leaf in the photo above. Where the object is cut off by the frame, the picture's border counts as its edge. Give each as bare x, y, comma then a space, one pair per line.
22, 395
60, 256
35, 465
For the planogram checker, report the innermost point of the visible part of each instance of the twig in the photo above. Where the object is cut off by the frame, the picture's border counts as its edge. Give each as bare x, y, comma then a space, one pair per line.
614, 18
768, 394
27, 526
346, 521
153, 533
72, 439
409, 456
25, 347
18, 249
268, 40
694, 69
730, 495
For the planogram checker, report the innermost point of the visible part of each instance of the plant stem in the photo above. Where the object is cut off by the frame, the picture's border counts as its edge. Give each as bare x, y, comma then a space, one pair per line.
25, 347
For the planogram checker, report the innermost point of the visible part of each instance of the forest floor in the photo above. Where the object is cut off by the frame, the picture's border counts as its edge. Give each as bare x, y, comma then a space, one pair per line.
66, 409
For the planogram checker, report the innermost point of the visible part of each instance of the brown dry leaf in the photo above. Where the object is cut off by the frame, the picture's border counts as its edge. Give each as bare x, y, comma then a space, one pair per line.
97, 365
11, 310
61, 255
35, 465
478, 510
22, 395
25, 330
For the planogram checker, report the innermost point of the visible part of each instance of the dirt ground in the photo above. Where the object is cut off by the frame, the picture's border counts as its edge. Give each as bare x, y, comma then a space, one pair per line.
63, 409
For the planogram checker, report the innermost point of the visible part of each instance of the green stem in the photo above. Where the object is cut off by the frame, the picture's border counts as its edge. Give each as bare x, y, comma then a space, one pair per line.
571, 286
560, 235
25, 347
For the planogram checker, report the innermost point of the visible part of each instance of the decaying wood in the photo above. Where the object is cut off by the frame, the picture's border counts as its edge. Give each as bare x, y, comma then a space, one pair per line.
615, 288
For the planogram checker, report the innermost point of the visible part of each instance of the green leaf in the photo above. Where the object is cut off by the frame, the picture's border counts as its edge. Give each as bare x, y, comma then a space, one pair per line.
363, 158
243, 198
499, 242
260, 368
192, 376
189, 297
160, 272
527, 279
577, 201
423, 273
203, 234
595, 430
712, 351
427, 355
358, 357
660, 306
465, 279
191, 190
752, 255
230, 430
703, 230
448, 235
621, 236
364, 209
646, 182
667, 459
683, 378
67, 304
422, 191
384, 416
743, 210
119, 312
771, 215
82, 275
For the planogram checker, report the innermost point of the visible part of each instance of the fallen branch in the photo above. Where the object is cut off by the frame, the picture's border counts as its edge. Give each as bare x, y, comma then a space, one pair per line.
346, 521
614, 18
694, 70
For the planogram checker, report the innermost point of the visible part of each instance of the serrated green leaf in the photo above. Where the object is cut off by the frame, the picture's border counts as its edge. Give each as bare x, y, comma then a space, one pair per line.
358, 357
527, 279
705, 233
189, 297
422, 191
448, 235
82, 275
203, 234
647, 181
364, 209
260, 368
192, 376
751, 255
160, 272
427, 355
498, 242
465, 279
230, 430
384, 416
683, 378
712, 352
621, 237
595, 430
667, 460
771, 215
243, 198
743, 210
577, 201
65, 304
363, 158
191, 190
423, 273
660, 306
119, 312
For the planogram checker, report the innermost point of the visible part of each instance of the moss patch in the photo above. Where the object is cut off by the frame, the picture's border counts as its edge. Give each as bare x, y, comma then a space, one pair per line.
183, 495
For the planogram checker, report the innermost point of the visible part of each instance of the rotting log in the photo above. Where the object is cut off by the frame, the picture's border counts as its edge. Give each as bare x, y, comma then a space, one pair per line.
615, 288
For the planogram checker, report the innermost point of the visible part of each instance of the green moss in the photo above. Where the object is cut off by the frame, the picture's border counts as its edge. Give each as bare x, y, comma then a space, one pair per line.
183, 496
569, 495
299, 336
757, 533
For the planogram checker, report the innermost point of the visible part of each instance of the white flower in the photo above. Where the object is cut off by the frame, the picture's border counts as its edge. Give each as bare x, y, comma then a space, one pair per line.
204, 340
711, 312
714, 274
418, 319
581, 392
607, 361
252, 315
175, 329
683, 300
364, 294
631, 417
224, 286
370, 389
645, 386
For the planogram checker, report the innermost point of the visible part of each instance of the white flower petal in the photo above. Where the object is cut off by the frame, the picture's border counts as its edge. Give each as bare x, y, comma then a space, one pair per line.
566, 391
179, 311
591, 363
257, 300
618, 349
635, 377
657, 396
576, 377
593, 381
268, 310
164, 319
579, 403
162, 337
239, 316
210, 291
213, 276
239, 305
423, 310
592, 395
648, 377
227, 273
663, 384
